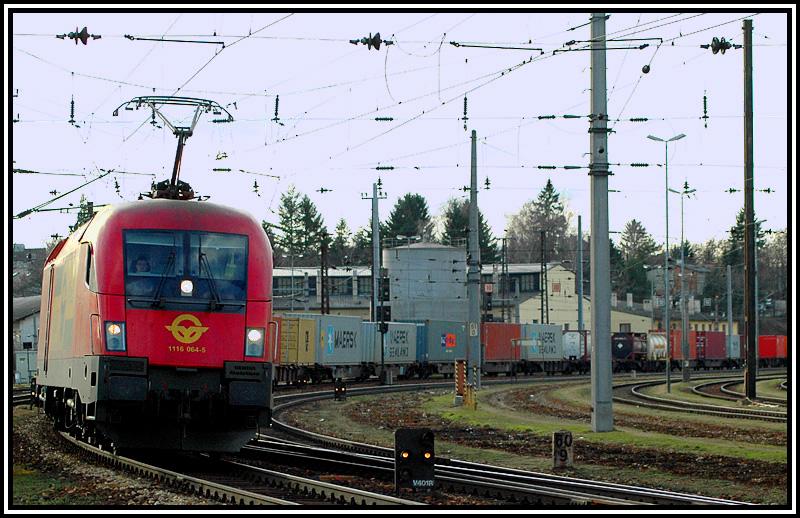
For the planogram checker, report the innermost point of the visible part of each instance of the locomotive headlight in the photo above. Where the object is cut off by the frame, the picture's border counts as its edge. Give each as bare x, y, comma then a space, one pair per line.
254, 342
115, 336
187, 287
254, 335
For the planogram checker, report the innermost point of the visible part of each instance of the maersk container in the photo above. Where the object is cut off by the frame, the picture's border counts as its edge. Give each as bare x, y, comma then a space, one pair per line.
445, 342
500, 341
335, 340
541, 342
577, 345
399, 343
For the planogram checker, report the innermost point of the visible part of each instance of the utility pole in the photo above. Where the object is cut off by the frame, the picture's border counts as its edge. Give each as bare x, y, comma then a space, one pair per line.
580, 281
749, 234
377, 194
730, 313
600, 277
543, 283
504, 278
325, 306
474, 275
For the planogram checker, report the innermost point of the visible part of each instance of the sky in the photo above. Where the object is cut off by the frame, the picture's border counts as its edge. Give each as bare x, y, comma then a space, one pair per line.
330, 91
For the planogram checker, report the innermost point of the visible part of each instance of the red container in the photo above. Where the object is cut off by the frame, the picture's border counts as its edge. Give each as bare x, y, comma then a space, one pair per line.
711, 345
676, 352
500, 341
768, 347
782, 347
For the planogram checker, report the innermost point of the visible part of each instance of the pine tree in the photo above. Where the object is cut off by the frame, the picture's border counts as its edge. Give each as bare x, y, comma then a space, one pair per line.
637, 249
456, 226
313, 230
409, 217
547, 212
340, 246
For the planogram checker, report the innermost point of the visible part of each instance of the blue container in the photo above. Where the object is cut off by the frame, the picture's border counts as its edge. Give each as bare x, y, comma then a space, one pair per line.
446, 341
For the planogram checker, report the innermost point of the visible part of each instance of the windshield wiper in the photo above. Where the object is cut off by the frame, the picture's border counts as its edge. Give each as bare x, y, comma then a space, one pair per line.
216, 301
157, 300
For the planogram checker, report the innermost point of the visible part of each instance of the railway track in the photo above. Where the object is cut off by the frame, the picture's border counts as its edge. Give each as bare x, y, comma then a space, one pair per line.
511, 485
634, 396
725, 389
236, 483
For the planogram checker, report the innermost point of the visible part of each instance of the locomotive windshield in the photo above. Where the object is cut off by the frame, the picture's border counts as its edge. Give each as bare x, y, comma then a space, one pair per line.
183, 266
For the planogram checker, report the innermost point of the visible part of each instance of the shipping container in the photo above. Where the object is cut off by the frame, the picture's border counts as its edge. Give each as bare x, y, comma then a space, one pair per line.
767, 347
297, 339
711, 345
442, 342
399, 343
676, 351
577, 345
735, 347
500, 342
541, 342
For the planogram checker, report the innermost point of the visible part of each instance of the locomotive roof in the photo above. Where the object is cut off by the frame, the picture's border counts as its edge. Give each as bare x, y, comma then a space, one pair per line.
154, 208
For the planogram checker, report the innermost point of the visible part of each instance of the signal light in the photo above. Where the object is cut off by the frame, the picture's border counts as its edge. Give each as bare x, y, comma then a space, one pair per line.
414, 459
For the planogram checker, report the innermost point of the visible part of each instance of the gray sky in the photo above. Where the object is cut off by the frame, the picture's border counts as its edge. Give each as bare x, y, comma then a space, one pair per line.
330, 92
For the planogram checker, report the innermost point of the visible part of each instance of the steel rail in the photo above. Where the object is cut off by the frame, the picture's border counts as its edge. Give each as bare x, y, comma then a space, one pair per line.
690, 407
500, 477
198, 486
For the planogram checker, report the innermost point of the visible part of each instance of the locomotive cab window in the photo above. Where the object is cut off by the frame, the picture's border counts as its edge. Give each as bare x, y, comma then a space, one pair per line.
182, 267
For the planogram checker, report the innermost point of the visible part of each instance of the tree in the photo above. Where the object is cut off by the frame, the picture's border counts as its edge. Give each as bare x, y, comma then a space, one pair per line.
290, 239
548, 213
409, 217
340, 246
637, 249
456, 226
362, 246
637, 243
733, 255
313, 231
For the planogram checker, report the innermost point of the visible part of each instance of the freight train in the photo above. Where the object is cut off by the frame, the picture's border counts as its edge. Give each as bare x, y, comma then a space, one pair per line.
312, 348
155, 316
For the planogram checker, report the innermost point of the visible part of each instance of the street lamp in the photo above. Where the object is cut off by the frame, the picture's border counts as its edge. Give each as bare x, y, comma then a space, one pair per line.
685, 193
666, 248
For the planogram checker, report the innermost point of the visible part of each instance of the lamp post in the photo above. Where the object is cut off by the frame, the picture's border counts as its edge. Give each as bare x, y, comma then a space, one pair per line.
666, 250
685, 193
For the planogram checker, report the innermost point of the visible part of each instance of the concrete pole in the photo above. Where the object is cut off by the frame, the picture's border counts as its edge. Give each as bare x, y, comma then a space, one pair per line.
667, 298
376, 259
685, 376
600, 278
474, 275
749, 233
580, 277
730, 312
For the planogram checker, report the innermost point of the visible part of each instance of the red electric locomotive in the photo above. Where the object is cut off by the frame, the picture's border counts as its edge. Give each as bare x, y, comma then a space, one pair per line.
156, 326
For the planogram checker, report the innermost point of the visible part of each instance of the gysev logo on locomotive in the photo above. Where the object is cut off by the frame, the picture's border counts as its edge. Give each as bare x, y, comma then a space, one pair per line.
186, 334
